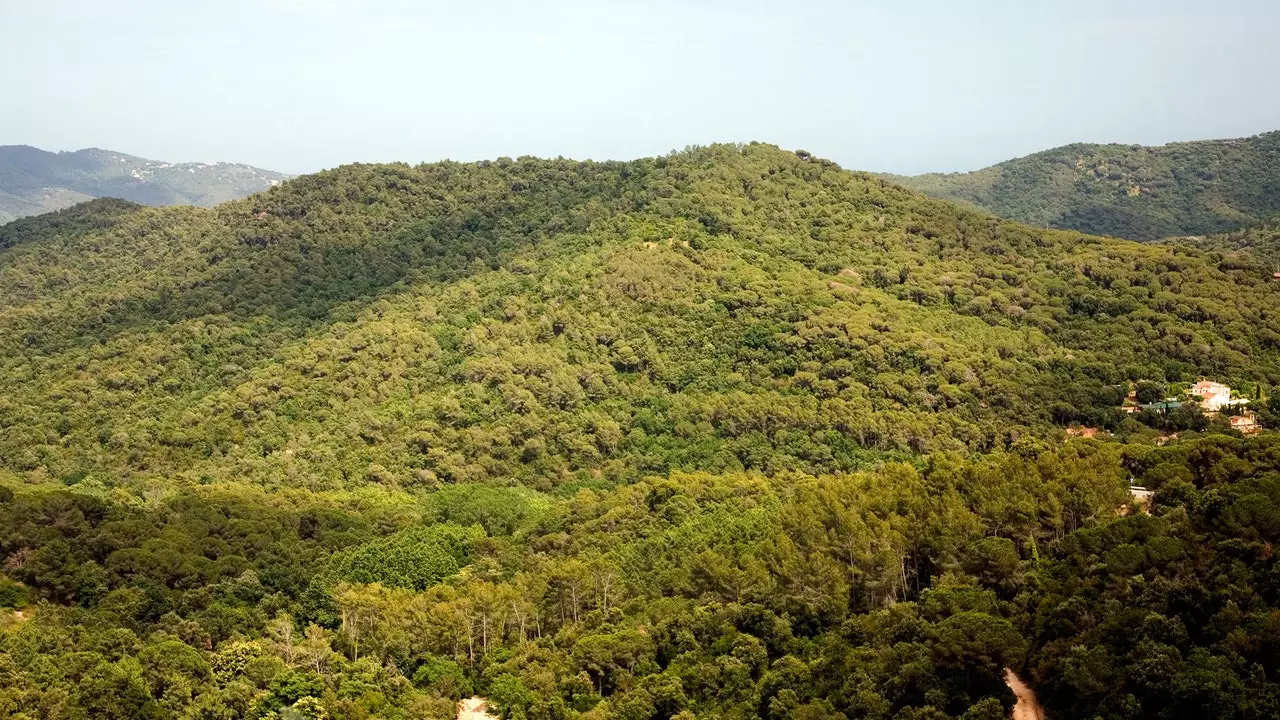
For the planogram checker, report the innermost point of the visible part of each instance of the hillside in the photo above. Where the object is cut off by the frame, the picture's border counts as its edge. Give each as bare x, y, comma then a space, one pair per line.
1258, 243
1130, 191
731, 432
34, 181
723, 309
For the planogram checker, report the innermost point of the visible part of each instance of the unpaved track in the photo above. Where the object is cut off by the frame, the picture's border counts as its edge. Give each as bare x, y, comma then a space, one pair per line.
1027, 708
475, 708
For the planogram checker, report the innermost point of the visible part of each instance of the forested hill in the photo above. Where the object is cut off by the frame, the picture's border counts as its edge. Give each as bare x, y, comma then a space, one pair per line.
731, 433
1257, 243
34, 181
1130, 191
722, 309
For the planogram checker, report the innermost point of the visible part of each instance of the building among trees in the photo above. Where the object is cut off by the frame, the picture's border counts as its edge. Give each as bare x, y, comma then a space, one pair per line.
1213, 396
1247, 423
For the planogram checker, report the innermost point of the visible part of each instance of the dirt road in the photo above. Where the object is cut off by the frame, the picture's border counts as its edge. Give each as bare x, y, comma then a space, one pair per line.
1027, 708
475, 708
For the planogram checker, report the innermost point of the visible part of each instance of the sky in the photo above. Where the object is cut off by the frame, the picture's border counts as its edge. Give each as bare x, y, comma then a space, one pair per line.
902, 86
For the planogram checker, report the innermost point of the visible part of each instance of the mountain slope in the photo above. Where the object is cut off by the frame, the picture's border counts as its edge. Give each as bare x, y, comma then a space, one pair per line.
727, 308
33, 181
1140, 193
1259, 243
574, 437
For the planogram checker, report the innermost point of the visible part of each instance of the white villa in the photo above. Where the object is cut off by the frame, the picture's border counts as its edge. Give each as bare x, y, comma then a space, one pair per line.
1213, 396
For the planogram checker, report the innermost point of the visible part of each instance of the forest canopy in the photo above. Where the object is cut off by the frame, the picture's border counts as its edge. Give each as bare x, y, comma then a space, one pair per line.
534, 322
896, 593
728, 433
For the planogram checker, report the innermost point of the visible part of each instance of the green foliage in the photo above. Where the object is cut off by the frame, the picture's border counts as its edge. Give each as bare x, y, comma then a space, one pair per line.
307, 708
729, 433
414, 558
1148, 392
899, 592
1251, 249
1173, 610
499, 510
78, 220
12, 594
547, 322
1141, 193
510, 698
443, 677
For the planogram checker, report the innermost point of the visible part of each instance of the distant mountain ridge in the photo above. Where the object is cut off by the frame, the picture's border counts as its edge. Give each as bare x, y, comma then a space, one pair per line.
1130, 191
34, 181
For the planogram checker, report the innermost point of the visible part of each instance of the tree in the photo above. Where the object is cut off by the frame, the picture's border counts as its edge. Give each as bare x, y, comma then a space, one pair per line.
510, 697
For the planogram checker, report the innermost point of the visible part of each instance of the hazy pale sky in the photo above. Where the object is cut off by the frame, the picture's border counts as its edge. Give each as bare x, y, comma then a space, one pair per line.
893, 85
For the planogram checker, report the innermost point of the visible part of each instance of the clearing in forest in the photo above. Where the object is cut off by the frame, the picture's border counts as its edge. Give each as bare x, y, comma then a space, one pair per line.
474, 708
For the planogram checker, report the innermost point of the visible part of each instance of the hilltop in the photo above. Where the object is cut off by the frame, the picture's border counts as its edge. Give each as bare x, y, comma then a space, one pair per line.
725, 308
34, 181
1130, 191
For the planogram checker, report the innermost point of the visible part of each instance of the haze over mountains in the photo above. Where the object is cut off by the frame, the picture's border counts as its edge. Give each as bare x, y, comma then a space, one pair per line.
34, 181
1130, 191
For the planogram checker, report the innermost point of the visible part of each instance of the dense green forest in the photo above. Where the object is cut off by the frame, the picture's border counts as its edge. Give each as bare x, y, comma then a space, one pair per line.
1258, 244
34, 181
898, 593
729, 433
1130, 191
543, 322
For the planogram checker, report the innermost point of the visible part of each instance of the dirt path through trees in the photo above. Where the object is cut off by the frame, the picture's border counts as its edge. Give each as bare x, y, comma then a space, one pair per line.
1027, 708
